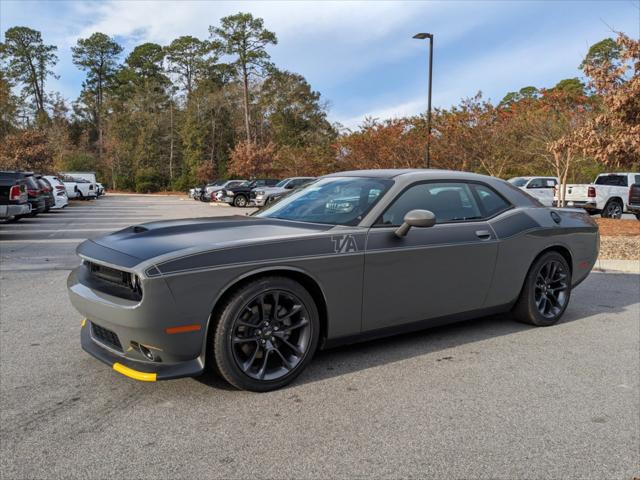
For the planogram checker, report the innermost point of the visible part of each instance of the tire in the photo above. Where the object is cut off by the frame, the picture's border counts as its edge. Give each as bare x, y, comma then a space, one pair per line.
15, 218
546, 291
637, 216
255, 351
613, 209
240, 201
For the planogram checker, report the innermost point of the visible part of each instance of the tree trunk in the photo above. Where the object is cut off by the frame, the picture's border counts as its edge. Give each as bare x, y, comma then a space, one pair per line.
245, 80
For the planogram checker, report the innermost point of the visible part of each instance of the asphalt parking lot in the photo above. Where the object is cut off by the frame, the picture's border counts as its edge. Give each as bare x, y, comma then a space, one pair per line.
488, 398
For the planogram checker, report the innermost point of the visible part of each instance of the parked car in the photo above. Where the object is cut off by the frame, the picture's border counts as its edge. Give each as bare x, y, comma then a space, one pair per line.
88, 177
14, 200
198, 193
79, 188
260, 196
607, 195
254, 297
633, 204
47, 190
35, 195
541, 188
211, 190
60, 191
239, 195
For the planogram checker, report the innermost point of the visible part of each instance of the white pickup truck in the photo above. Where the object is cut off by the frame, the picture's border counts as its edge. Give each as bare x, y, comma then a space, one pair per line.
607, 195
542, 188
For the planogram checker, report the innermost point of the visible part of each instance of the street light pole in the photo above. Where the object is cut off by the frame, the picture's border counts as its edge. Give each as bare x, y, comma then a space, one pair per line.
422, 36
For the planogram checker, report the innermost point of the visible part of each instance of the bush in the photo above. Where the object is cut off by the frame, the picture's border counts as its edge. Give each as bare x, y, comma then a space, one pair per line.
148, 180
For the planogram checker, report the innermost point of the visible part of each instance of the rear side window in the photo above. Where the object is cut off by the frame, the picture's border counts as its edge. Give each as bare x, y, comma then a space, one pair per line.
613, 180
637, 179
491, 203
450, 202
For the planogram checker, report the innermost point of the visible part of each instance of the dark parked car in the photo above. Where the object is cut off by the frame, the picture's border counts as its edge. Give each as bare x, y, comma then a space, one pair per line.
239, 195
47, 191
352, 256
633, 205
266, 195
36, 197
14, 200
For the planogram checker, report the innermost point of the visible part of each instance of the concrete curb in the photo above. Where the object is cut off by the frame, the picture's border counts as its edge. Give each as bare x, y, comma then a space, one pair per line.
620, 266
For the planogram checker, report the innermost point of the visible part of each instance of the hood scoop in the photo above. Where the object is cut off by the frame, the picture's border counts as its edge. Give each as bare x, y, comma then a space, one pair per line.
139, 229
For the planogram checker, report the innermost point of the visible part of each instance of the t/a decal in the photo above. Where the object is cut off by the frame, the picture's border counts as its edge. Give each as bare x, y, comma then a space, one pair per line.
344, 244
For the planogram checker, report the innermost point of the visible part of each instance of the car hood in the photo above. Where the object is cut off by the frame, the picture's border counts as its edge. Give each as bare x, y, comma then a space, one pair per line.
270, 190
139, 243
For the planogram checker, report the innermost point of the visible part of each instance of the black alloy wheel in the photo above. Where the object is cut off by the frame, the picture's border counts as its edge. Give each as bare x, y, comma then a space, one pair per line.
266, 334
546, 291
613, 209
240, 201
551, 289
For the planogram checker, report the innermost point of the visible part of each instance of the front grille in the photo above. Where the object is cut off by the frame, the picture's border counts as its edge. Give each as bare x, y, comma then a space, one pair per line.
106, 336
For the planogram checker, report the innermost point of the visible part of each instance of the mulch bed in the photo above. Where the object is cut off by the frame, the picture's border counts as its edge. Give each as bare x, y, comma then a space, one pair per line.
614, 228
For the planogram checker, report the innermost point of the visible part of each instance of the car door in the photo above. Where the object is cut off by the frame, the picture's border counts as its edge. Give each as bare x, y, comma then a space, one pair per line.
431, 272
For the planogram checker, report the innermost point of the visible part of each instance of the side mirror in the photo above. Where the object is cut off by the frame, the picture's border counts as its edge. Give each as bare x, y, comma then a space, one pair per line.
416, 218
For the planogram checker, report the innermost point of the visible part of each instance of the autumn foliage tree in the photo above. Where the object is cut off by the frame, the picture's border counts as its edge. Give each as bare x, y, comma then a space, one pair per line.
28, 150
612, 136
249, 160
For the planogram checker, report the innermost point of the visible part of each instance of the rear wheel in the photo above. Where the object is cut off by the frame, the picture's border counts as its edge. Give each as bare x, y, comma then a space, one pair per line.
240, 201
546, 291
637, 216
613, 209
266, 334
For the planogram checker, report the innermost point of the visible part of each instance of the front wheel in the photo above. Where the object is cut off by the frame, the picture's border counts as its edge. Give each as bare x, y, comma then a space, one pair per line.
240, 201
546, 291
266, 334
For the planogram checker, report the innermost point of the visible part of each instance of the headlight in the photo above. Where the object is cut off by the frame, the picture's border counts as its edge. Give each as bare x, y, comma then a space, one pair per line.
259, 192
230, 193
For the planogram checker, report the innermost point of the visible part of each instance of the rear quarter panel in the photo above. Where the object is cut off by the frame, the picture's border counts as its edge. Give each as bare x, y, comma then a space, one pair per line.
526, 233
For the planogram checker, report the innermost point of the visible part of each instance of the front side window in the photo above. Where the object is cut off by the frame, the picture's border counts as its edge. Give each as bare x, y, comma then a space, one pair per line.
334, 201
449, 202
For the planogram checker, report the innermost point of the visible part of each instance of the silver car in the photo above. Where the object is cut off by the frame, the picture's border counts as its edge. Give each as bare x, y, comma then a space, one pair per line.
264, 195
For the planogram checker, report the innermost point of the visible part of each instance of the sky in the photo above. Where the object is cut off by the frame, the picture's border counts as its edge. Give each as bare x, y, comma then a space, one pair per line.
361, 55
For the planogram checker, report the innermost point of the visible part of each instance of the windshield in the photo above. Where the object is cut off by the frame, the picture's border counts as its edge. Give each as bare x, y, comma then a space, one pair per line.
282, 183
334, 200
518, 181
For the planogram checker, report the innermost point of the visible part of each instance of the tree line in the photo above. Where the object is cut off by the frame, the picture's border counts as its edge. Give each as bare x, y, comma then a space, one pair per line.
167, 116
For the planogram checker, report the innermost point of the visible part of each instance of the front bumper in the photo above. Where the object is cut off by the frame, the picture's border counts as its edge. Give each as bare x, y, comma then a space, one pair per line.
132, 324
138, 370
258, 200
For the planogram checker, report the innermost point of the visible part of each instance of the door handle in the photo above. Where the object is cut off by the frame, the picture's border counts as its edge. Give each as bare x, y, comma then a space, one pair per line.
483, 234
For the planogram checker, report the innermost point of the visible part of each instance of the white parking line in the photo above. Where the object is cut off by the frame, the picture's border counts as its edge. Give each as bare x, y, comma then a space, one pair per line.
48, 240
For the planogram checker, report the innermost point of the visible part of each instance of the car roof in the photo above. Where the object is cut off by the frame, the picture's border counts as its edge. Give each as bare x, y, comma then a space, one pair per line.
407, 173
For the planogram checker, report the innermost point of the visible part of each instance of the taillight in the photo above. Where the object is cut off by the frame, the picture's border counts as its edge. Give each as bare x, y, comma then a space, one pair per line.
32, 192
60, 187
14, 193
591, 192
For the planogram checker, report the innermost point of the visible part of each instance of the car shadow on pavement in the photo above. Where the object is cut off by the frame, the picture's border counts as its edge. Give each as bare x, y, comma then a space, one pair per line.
360, 356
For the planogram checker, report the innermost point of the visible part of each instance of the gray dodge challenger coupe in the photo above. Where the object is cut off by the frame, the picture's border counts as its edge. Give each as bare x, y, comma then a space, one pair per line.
352, 256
